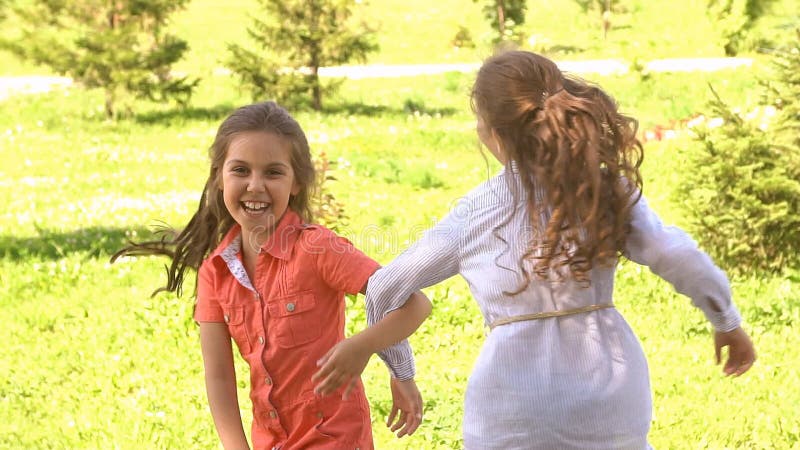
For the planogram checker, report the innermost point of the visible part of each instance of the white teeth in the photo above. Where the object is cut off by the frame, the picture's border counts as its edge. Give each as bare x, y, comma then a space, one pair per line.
255, 205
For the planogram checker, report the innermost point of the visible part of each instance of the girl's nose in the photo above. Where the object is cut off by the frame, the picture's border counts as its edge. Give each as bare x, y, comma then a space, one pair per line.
255, 184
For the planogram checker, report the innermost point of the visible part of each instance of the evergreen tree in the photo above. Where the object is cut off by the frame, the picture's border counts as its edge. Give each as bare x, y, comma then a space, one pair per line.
294, 38
603, 8
121, 46
506, 18
783, 91
742, 182
735, 18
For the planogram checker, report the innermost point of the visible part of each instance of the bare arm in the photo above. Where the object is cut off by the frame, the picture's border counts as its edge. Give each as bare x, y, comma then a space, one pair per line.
215, 342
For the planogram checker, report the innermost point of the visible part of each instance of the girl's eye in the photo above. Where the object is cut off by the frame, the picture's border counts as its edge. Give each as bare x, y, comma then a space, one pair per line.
239, 170
274, 173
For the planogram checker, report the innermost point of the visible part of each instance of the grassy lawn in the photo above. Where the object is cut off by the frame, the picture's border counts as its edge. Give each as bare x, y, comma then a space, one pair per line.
91, 361
422, 32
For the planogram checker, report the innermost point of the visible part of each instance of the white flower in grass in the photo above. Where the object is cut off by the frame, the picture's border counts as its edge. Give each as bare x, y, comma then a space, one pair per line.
716, 122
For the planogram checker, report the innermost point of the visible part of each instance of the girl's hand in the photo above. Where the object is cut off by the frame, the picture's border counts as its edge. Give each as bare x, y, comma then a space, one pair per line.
342, 364
741, 354
406, 400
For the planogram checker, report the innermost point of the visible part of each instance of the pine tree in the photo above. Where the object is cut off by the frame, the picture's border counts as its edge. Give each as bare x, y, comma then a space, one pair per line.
604, 9
742, 182
735, 18
294, 38
506, 17
121, 46
783, 91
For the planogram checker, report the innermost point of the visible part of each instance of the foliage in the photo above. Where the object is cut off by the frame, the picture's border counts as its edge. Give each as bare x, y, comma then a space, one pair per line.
742, 182
122, 47
735, 18
783, 91
326, 209
604, 9
506, 18
91, 361
462, 38
294, 38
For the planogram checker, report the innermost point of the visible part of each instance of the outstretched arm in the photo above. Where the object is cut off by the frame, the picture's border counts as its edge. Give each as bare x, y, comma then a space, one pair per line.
345, 362
674, 256
215, 342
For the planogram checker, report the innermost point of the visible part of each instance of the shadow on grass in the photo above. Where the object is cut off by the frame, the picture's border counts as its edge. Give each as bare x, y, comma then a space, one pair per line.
94, 242
409, 107
178, 114
219, 112
564, 49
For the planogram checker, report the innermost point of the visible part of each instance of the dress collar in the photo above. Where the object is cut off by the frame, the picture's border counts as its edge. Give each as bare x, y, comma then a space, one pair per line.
279, 244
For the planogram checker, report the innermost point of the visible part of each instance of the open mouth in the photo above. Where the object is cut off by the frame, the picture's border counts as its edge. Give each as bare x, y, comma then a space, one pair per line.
255, 207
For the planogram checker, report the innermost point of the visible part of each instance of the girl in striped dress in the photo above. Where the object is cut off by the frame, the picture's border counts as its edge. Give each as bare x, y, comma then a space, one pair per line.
537, 245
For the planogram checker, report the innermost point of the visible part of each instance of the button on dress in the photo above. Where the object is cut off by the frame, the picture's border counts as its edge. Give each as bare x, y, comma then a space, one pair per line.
282, 322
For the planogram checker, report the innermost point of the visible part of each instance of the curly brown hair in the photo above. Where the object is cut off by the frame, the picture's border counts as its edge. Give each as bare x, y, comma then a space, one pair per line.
566, 139
189, 247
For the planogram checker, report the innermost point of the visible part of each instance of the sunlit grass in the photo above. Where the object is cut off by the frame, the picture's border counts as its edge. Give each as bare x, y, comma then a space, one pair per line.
91, 361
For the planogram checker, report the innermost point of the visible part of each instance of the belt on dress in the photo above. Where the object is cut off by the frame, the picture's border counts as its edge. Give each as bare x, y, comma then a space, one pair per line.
547, 314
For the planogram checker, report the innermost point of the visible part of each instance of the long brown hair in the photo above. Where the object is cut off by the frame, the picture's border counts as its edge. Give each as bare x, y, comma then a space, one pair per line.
566, 138
212, 221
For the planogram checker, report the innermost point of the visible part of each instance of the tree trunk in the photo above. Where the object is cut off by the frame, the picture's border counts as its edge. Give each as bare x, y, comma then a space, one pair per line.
606, 18
110, 113
501, 19
316, 89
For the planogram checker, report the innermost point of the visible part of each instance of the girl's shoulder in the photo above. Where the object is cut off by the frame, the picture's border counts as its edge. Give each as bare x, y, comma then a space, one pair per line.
320, 236
492, 192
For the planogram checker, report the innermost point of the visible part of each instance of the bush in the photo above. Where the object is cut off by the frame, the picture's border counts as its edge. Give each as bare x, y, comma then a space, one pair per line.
742, 182
327, 210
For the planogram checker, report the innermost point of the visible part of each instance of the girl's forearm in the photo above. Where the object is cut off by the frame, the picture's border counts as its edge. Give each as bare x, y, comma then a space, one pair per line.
397, 325
224, 404
220, 376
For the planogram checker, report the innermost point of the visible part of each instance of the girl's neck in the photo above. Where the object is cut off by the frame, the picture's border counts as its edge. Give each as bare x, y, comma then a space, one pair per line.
253, 241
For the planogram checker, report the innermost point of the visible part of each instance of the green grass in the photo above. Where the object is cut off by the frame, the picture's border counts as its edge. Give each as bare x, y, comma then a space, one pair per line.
90, 361
421, 32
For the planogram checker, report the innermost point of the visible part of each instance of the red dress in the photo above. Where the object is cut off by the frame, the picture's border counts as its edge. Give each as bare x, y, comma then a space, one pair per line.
282, 323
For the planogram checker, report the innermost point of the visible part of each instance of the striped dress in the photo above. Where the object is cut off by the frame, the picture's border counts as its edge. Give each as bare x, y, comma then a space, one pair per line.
572, 382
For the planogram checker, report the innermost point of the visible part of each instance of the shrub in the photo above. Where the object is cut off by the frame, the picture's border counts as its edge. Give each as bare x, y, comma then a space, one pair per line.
742, 182
327, 210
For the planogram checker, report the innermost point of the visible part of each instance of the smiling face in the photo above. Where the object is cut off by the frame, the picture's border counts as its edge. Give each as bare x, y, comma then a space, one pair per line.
257, 180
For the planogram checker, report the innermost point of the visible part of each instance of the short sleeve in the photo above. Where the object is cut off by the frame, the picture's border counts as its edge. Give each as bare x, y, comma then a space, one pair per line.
340, 264
207, 307
671, 254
